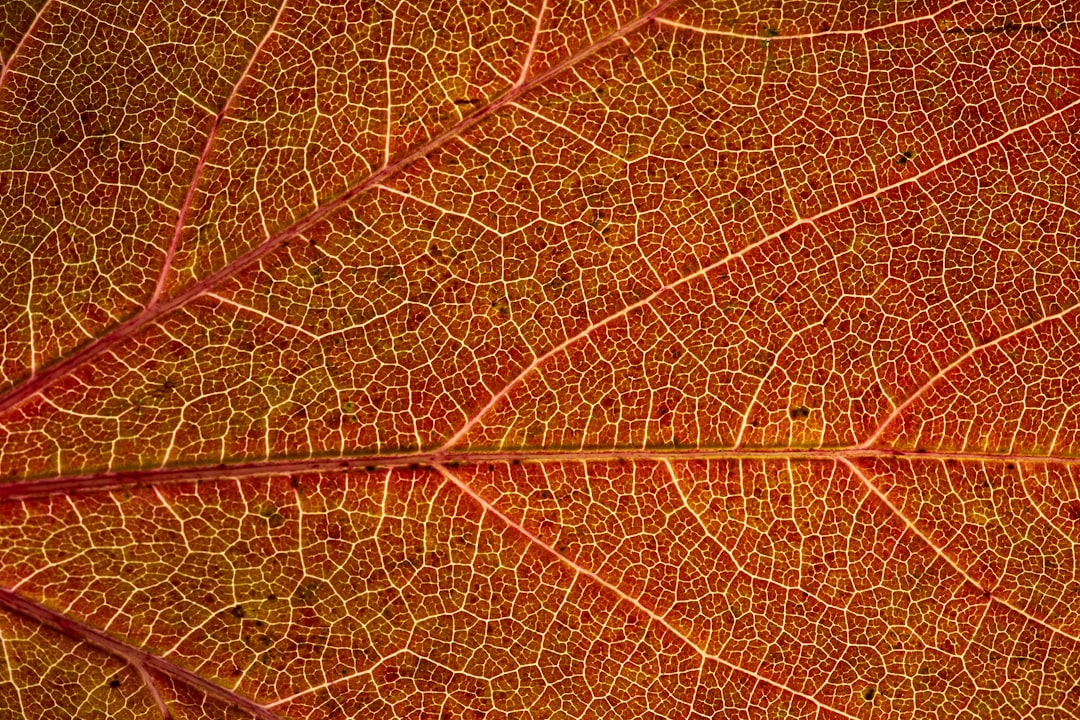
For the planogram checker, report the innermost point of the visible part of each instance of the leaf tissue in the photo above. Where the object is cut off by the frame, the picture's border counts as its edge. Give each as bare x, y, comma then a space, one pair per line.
455, 360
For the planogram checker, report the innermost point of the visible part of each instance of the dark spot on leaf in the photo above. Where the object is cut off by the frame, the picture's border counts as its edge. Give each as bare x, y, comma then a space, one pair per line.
466, 101
869, 693
273, 517
237, 611
165, 387
799, 413
59, 139
905, 156
114, 683
387, 273
308, 592
771, 32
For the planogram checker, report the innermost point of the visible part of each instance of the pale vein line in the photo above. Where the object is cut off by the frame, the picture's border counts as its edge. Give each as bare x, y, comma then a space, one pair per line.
155, 692
34, 574
179, 520
648, 300
1070, 412
102, 344
1038, 509
389, 89
440, 208
666, 462
263, 314
911, 526
5, 71
193, 630
591, 143
761, 384
11, 672
527, 65
30, 318
107, 625
299, 532
189, 196
922, 389
541, 359
337, 681
658, 619
139, 659
810, 35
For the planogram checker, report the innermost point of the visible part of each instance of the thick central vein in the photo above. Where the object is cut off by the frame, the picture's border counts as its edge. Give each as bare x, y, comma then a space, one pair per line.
364, 461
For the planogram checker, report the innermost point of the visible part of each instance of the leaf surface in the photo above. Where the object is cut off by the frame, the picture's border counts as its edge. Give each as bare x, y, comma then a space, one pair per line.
675, 360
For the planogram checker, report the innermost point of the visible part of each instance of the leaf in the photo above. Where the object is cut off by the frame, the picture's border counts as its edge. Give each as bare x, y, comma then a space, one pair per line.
683, 360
